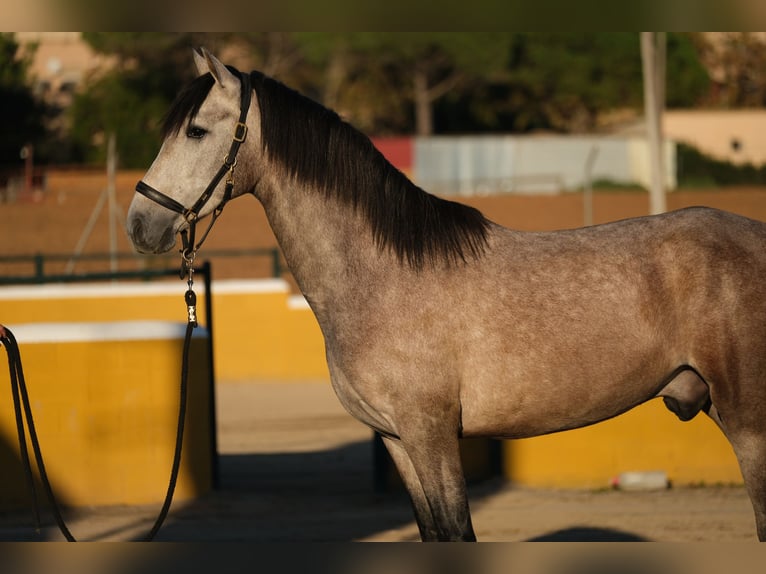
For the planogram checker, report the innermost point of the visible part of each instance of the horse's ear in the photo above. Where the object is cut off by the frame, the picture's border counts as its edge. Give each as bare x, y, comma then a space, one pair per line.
206, 62
200, 62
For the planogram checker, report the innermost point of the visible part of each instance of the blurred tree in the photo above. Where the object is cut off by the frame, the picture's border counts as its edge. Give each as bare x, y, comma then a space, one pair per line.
21, 116
276, 54
438, 63
428, 66
377, 77
387, 82
737, 61
560, 82
566, 82
131, 99
687, 79
346, 73
459, 82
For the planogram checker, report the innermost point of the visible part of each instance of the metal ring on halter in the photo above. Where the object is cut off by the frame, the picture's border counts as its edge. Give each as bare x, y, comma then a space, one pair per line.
189, 255
229, 165
190, 216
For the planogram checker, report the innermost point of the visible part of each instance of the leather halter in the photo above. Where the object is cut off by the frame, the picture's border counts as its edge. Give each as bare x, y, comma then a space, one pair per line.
191, 214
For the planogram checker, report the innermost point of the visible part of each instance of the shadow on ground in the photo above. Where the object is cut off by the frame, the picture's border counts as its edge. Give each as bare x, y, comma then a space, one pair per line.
318, 496
312, 496
315, 496
588, 534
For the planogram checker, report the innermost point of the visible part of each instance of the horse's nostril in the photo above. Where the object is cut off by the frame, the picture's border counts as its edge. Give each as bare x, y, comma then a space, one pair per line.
137, 231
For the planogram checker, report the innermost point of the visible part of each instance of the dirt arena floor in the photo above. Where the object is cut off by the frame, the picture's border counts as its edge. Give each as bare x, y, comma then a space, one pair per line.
295, 467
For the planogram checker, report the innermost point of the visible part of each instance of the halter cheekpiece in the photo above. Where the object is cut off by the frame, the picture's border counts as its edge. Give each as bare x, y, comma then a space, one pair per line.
191, 214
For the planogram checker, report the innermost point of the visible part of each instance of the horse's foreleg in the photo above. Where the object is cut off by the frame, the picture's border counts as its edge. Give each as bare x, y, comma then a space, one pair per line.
433, 475
423, 516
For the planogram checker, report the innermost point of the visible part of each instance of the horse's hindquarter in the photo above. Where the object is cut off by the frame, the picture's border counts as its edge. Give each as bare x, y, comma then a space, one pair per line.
566, 329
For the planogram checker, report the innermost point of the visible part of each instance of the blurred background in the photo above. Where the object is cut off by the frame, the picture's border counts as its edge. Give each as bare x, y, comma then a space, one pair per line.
540, 131
526, 126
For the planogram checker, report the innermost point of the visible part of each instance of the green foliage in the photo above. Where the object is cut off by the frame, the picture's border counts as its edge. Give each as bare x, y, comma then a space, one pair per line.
124, 104
696, 169
20, 114
384, 82
132, 99
561, 81
385, 73
687, 80
564, 81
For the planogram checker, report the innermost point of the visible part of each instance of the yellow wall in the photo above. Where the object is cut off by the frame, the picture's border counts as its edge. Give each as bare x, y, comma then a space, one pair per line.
647, 438
260, 331
105, 401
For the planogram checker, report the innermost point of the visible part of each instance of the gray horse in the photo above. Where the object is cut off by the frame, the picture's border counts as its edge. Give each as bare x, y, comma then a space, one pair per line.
439, 324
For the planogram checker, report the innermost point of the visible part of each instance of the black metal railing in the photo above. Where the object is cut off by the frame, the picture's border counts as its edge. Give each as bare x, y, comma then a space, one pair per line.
36, 268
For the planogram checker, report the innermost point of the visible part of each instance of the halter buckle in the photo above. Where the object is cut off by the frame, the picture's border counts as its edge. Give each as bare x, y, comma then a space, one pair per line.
240, 132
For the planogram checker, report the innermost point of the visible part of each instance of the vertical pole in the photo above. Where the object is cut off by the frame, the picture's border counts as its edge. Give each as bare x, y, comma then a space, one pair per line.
29, 170
652, 110
111, 170
207, 273
92, 220
40, 268
588, 191
276, 265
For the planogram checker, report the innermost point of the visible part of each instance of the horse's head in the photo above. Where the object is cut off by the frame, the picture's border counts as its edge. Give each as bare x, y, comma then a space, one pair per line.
204, 133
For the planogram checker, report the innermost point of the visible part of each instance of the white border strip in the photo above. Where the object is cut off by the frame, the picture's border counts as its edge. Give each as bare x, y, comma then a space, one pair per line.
297, 302
90, 290
29, 333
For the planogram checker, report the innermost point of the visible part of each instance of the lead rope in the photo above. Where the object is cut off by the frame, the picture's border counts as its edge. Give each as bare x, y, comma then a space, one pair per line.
22, 410
191, 305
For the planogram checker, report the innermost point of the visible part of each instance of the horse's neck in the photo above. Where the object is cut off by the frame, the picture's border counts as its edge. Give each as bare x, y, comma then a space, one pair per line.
326, 244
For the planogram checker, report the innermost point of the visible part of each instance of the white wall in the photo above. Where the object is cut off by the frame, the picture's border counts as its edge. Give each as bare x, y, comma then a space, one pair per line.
471, 165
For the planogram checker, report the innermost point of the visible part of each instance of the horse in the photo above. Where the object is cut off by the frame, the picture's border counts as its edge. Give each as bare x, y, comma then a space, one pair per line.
439, 323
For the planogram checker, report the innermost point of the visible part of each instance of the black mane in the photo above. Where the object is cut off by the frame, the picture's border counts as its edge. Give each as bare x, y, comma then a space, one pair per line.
314, 146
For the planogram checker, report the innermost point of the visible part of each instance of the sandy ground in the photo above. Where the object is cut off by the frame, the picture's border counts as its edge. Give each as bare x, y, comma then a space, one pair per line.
295, 467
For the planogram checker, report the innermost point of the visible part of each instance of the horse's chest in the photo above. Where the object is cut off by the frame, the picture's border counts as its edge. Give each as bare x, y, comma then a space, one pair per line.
364, 405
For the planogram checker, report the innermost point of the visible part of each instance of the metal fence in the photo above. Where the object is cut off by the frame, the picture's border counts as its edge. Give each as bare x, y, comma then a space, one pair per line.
42, 268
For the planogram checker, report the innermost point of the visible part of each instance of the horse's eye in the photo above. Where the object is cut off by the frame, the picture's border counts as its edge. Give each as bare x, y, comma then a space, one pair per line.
196, 132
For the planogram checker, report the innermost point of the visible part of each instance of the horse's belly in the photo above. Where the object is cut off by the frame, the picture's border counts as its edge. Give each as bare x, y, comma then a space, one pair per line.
516, 408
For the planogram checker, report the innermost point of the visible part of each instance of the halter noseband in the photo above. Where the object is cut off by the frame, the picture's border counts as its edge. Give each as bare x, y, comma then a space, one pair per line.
191, 214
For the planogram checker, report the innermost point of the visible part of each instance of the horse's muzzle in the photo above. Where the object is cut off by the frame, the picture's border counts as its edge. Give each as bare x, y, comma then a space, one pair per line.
146, 242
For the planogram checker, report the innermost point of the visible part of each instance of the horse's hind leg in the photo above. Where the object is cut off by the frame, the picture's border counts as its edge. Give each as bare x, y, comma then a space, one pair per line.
432, 473
750, 449
737, 406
